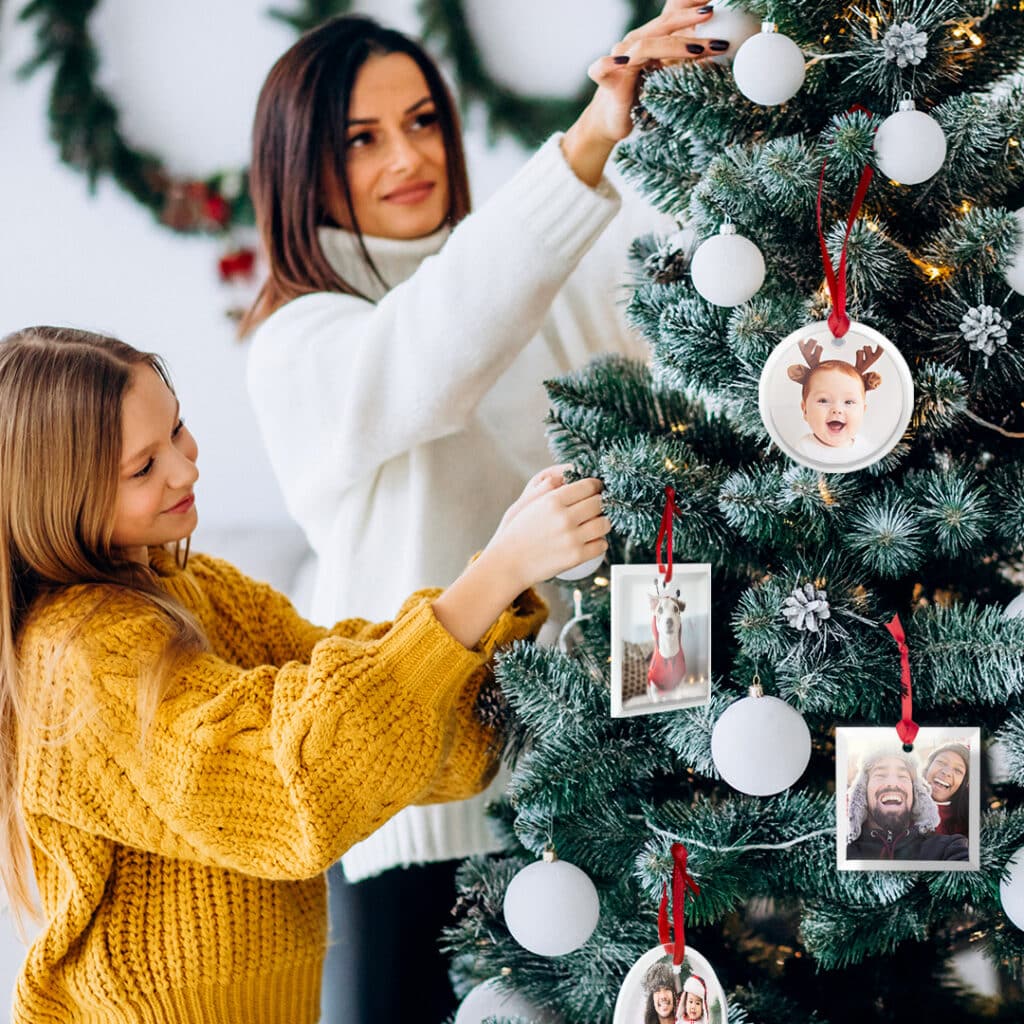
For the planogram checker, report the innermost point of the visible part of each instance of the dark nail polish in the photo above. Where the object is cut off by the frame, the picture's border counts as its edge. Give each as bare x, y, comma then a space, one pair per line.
623, 59
719, 44
694, 48
706, 9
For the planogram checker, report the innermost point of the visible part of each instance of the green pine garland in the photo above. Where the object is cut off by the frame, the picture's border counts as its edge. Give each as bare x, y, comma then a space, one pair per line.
84, 121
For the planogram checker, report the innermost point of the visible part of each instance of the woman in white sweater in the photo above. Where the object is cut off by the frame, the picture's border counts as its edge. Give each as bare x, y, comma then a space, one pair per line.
400, 344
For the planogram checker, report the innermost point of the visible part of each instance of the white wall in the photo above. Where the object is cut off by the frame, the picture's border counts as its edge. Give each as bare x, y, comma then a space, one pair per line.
186, 75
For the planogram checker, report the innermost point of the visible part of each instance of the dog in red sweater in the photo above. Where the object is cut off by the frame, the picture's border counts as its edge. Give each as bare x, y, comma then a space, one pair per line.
668, 663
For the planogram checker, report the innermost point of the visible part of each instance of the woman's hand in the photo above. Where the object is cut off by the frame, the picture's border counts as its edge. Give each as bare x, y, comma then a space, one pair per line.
666, 39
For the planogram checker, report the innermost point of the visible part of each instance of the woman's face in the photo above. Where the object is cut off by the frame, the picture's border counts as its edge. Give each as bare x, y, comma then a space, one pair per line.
945, 775
394, 155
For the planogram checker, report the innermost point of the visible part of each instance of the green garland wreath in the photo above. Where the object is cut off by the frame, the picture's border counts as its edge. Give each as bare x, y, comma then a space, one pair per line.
528, 118
84, 121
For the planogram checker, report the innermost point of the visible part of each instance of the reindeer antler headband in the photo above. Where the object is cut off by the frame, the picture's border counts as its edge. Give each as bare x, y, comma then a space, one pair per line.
812, 352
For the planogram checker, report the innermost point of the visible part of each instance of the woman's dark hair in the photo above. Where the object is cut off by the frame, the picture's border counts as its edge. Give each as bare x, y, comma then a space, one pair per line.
960, 801
301, 118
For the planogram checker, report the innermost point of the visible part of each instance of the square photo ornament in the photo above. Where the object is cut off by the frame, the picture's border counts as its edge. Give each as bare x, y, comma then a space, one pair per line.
661, 638
916, 810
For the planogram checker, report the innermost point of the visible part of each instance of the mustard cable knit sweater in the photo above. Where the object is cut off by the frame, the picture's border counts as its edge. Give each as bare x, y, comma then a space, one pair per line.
184, 882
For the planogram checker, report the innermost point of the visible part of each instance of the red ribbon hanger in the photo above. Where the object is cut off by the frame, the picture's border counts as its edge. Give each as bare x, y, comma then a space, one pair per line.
665, 535
906, 728
681, 881
838, 321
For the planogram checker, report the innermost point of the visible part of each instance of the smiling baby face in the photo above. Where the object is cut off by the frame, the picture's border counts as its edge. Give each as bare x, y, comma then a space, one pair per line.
833, 405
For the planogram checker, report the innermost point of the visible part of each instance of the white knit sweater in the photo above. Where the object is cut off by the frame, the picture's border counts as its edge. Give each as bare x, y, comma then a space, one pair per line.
401, 429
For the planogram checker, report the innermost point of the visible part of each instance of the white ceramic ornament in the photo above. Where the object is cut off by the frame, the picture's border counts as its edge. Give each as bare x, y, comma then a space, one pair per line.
910, 146
1011, 889
551, 907
760, 745
727, 269
769, 67
584, 569
654, 970
803, 379
731, 23
1015, 609
489, 999
1014, 273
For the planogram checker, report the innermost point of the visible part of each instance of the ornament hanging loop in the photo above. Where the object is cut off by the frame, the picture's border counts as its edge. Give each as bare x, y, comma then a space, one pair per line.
665, 535
681, 881
906, 727
835, 277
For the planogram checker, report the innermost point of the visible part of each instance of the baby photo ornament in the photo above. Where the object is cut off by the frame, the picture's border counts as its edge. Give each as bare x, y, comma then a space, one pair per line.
657, 991
836, 404
661, 638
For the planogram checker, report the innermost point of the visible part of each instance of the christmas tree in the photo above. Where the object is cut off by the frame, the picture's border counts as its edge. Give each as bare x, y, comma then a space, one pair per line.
808, 565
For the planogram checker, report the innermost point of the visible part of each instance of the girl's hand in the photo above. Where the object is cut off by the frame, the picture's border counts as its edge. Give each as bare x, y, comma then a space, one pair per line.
541, 483
550, 528
666, 39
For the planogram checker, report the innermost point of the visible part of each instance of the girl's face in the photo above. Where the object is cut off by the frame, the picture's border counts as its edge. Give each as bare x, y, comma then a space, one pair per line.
834, 407
664, 1002
394, 157
693, 1008
945, 775
154, 503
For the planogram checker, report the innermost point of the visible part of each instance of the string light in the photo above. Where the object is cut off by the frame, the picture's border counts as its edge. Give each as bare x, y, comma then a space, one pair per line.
965, 207
670, 465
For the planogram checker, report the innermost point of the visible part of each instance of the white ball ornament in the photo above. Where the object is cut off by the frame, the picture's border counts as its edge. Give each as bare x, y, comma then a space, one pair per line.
760, 745
581, 571
1014, 273
551, 907
769, 67
727, 269
910, 145
731, 23
1011, 889
489, 999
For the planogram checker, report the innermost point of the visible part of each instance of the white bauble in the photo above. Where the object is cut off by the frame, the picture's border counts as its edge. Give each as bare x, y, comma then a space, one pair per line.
1014, 273
727, 269
760, 745
489, 999
769, 67
1015, 609
578, 572
551, 907
1011, 889
731, 23
910, 145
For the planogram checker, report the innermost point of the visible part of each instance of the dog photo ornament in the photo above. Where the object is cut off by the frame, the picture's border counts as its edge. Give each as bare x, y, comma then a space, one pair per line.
836, 404
661, 638
656, 990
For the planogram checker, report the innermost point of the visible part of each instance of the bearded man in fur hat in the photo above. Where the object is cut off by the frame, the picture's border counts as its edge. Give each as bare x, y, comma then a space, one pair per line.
893, 815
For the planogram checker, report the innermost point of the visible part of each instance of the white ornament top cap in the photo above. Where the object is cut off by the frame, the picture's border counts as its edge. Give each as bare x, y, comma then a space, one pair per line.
907, 105
756, 689
728, 228
549, 855
769, 26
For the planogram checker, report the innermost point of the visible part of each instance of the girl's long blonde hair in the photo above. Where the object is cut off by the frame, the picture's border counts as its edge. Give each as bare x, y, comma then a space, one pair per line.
61, 393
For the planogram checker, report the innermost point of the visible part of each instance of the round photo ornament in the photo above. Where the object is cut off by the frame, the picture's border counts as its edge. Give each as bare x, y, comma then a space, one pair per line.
689, 992
836, 404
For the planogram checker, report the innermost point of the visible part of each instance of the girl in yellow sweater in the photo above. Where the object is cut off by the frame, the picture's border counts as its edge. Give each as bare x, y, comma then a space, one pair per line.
182, 754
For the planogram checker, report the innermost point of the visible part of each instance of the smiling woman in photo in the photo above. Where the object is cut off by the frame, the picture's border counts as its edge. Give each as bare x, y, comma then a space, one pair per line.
947, 772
